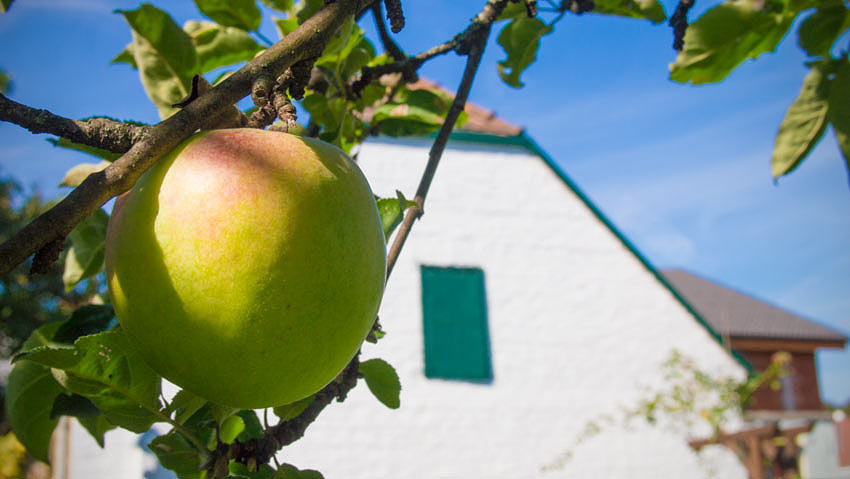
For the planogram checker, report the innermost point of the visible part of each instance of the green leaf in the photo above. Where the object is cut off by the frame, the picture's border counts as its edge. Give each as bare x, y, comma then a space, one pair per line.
726, 35
80, 172
513, 10
279, 5
164, 54
184, 404
30, 393
5, 82
306, 9
651, 10
416, 112
288, 471
85, 320
89, 150
241, 471
819, 31
5, 5
219, 46
253, 428
291, 411
87, 414
839, 108
220, 413
106, 369
242, 14
88, 245
285, 26
126, 56
520, 39
803, 125
230, 428
382, 381
392, 212
177, 453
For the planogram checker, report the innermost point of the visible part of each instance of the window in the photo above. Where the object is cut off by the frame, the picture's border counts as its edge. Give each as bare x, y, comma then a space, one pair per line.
454, 312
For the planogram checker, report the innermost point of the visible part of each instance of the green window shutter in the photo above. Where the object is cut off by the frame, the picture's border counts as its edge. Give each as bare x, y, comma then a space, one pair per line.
454, 311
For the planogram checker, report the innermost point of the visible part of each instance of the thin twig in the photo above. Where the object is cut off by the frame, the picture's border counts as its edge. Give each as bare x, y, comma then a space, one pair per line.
103, 133
55, 224
390, 45
472, 62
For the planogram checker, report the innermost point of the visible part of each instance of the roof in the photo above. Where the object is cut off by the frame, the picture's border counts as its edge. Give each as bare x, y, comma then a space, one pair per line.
481, 120
741, 316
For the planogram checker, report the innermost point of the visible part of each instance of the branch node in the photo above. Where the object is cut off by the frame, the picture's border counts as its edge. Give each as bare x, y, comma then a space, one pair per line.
46, 256
395, 15
261, 90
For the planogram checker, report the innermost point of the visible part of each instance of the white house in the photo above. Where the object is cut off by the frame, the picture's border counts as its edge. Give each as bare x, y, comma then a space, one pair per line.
516, 314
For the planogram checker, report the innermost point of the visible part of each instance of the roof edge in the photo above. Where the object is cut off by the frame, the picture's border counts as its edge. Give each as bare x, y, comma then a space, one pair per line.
523, 140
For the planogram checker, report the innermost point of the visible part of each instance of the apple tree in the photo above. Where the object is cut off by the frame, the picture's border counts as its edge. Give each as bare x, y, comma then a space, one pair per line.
350, 86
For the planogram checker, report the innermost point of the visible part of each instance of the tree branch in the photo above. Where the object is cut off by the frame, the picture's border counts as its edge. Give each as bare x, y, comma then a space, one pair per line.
476, 50
389, 44
104, 133
55, 224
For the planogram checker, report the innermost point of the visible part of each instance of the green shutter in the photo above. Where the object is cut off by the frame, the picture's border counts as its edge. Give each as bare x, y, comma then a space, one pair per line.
454, 311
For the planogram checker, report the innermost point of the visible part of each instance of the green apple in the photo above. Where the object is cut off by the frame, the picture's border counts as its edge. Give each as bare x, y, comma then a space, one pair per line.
247, 266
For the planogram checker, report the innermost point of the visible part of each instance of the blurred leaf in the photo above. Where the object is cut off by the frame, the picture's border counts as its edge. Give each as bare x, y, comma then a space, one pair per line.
520, 39
726, 35
242, 14
819, 31
230, 428
88, 245
220, 413
176, 453
290, 411
89, 150
219, 46
85, 320
279, 5
288, 471
839, 108
803, 125
253, 428
285, 26
392, 212
80, 172
30, 393
382, 381
241, 471
126, 56
416, 112
513, 10
87, 414
184, 404
5, 82
306, 8
651, 10
5, 5
164, 54
106, 369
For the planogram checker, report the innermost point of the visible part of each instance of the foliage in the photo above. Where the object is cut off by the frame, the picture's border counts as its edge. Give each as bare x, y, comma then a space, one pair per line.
690, 398
28, 302
77, 363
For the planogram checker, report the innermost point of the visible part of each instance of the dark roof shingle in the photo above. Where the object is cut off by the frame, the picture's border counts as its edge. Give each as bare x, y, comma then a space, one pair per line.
738, 315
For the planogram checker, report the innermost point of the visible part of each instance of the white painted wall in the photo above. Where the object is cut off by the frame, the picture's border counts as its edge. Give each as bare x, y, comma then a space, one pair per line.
578, 328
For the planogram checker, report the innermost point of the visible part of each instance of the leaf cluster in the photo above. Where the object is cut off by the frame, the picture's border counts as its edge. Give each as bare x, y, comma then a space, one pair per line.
734, 31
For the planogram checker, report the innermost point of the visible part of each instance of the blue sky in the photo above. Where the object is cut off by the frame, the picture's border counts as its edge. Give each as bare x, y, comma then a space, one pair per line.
683, 171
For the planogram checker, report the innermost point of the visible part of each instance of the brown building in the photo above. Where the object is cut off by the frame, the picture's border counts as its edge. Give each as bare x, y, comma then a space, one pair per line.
757, 330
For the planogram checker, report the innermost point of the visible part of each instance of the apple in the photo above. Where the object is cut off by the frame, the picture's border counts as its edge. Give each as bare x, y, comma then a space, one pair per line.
247, 266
